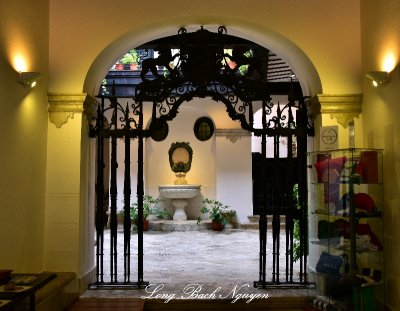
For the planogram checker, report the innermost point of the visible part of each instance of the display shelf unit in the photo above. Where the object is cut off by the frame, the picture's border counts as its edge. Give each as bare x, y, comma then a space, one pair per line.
345, 233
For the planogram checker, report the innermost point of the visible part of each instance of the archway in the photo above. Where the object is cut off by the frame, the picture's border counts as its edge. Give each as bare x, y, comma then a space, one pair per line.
291, 53
202, 72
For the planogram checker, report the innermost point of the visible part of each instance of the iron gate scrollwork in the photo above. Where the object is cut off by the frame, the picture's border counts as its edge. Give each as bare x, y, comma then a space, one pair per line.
201, 70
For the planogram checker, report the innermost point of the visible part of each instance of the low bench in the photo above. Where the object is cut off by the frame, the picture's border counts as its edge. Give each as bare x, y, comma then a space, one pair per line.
59, 293
56, 295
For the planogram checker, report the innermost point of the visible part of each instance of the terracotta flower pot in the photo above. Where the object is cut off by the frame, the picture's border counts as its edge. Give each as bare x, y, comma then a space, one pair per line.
217, 226
120, 219
145, 224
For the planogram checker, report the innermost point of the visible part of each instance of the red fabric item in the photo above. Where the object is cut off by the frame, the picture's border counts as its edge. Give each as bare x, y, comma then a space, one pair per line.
330, 164
361, 201
363, 229
367, 168
364, 201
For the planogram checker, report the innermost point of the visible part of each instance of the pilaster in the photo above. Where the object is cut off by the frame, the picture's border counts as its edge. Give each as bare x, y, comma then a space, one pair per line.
343, 108
63, 106
69, 205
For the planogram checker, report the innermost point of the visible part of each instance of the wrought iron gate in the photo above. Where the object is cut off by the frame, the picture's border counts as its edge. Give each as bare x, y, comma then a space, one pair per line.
280, 195
201, 70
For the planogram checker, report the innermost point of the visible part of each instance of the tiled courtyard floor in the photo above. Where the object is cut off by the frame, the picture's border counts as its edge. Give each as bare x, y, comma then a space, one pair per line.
207, 261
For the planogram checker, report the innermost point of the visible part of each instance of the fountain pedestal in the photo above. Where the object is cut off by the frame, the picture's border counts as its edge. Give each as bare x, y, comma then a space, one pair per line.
180, 194
179, 205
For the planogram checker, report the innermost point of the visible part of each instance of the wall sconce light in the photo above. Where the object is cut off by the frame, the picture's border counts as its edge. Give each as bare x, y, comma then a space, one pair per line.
28, 79
378, 77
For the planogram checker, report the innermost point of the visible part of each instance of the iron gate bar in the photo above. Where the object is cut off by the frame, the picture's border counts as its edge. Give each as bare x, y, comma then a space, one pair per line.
100, 201
305, 119
113, 207
263, 216
127, 202
289, 198
275, 213
140, 193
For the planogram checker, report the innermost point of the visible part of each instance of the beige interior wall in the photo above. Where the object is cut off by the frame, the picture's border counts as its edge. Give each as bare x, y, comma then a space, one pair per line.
318, 29
234, 175
63, 195
381, 110
24, 36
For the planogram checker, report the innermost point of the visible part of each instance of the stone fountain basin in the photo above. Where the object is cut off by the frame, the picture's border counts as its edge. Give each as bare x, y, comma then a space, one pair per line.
179, 191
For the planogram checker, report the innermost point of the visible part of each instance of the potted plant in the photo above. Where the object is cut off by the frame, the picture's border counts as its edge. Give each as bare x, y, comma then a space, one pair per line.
218, 213
231, 218
131, 58
119, 65
150, 207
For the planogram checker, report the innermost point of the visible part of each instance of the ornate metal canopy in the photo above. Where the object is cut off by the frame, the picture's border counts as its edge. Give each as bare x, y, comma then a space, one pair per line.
201, 67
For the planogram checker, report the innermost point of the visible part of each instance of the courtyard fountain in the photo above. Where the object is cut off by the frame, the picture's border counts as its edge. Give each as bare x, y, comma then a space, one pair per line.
180, 159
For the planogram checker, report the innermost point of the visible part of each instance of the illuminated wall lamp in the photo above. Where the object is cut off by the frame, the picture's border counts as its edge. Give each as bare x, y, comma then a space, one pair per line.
378, 77
28, 79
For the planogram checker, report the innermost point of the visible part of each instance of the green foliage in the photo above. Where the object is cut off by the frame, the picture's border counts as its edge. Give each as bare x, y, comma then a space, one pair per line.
296, 241
132, 57
244, 68
150, 207
296, 226
104, 87
218, 212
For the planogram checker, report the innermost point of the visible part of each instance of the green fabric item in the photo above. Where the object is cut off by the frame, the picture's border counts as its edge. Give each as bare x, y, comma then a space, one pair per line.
363, 298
